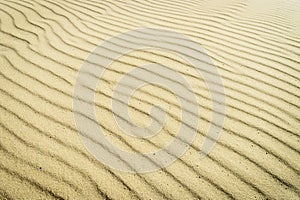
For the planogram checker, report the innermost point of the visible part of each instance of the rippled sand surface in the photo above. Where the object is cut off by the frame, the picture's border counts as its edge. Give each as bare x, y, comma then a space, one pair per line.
255, 46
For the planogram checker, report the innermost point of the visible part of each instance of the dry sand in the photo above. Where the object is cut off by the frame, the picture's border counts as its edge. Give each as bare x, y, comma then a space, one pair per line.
256, 47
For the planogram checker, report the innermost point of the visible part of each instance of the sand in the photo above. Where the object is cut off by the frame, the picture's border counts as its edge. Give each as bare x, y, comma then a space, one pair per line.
254, 44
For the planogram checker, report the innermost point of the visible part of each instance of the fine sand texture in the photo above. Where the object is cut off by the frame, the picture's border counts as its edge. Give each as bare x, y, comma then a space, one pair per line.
255, 45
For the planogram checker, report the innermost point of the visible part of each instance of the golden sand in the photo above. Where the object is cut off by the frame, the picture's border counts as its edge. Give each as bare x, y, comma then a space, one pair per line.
256, 47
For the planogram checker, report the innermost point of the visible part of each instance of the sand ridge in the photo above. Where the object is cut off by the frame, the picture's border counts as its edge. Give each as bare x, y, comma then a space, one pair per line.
255, 46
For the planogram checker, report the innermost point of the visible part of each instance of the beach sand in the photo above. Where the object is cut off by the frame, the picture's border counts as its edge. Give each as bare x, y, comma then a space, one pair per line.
254, 44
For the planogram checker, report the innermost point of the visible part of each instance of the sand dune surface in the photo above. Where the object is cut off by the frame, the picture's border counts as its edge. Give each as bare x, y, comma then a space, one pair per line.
255, 46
